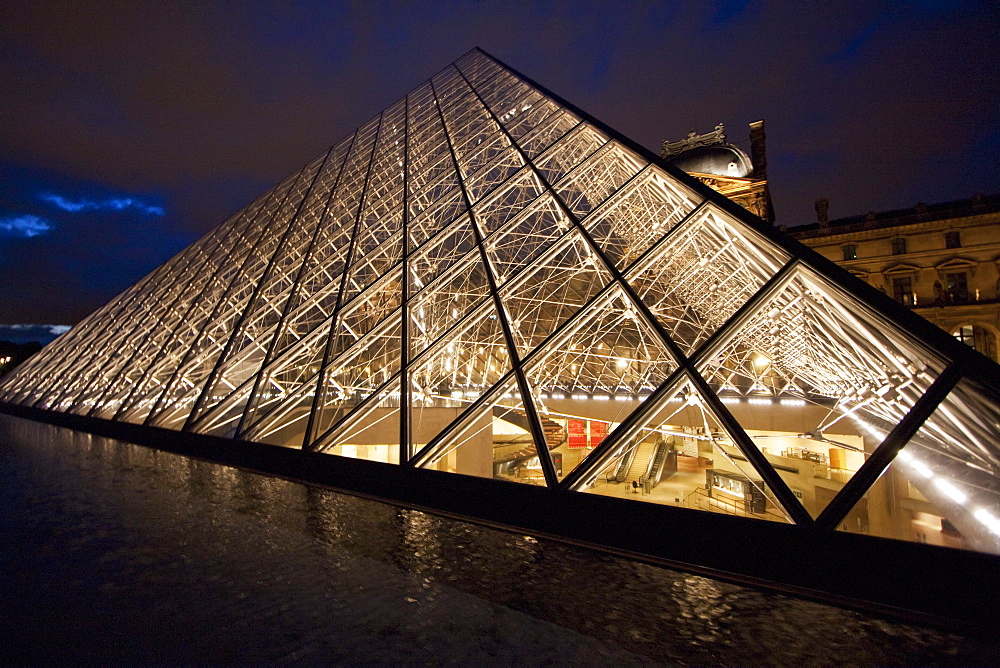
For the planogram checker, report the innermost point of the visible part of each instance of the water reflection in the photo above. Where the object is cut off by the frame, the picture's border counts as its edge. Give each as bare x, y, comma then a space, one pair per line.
120, 553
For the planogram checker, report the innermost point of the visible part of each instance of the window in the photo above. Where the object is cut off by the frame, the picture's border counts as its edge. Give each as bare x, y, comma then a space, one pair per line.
966, 335
957, 287
898, 246
952, 239
902, 290
978, 338
850, 252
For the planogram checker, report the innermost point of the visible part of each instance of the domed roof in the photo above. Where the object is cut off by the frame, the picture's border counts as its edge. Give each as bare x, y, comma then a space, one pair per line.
719, 159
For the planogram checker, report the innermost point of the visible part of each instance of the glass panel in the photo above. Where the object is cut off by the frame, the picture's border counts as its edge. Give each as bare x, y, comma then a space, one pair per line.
817, 381
291, 375
569, 152
437, 255
446, 301
370, 431
638, 215
680, 455
492, 440
224, 418
540, 138
441, 213
350, 378
493, 174
513, 248
509, 201
457, 369
695, 279
555, 286
595, 179
372, 264
943, 488
598, 367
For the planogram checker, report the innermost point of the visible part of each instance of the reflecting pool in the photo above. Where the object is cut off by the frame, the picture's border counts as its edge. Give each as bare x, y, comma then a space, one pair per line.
117, 553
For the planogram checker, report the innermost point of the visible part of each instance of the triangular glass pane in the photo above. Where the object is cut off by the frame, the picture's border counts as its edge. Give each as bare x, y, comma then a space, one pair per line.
696, 278
292, 373
680, 455
569, 152
369, 431
509, 201
469, 359
553, 287
599, 367
512, 248
352, 376
440, 254
554, 127
223, 418
448, 299
282, 414
491, 440
638, 215
817, 380
597, 177
942, 488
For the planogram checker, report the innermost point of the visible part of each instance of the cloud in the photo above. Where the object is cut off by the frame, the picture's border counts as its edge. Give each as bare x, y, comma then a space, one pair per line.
24, 333
24, 226
112, 204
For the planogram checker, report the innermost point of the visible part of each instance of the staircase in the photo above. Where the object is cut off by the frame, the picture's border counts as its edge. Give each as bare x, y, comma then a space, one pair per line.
640, 463
554, 433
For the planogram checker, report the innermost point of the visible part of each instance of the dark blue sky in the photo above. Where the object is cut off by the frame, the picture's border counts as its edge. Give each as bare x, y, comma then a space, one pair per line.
129, 129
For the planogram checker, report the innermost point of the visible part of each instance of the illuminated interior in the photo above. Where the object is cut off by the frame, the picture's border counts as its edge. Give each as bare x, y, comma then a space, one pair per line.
486, 281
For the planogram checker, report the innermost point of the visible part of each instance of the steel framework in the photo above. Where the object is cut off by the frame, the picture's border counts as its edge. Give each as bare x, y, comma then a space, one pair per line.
484, 268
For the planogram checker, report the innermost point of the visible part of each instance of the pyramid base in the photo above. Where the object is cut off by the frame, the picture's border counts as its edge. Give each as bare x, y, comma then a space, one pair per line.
914, 582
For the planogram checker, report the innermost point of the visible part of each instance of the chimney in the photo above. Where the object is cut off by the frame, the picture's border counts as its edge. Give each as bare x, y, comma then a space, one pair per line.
822, 207
758, 149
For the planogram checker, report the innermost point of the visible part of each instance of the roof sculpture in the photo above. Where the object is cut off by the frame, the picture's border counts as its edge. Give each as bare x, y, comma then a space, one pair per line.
486, 280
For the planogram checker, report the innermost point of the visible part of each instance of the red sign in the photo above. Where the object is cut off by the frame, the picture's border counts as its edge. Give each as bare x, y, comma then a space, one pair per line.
577, 433
598, 430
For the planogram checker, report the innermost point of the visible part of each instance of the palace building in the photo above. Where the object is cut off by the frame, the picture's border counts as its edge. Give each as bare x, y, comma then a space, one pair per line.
486, 281
941, 260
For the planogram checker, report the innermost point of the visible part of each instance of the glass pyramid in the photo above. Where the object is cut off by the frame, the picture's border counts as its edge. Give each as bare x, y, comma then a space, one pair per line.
486, 280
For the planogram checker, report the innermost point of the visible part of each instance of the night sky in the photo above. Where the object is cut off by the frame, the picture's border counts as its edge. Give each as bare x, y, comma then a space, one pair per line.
129, 129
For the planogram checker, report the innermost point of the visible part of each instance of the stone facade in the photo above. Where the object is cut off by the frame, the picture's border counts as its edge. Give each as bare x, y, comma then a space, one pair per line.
941, 260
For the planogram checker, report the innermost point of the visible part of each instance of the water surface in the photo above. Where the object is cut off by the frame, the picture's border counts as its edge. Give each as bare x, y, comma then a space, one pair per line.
117, 553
